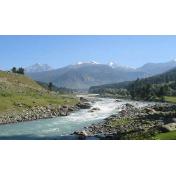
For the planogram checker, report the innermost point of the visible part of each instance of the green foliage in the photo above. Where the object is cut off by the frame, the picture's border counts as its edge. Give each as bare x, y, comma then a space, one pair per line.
50, 86
14, 70
19, 70
150, 91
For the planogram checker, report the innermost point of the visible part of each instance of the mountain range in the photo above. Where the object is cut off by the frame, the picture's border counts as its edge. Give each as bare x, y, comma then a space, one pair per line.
151, 88
86, 74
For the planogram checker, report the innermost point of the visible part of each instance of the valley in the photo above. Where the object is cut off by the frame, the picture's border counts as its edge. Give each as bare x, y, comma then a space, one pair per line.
89, 100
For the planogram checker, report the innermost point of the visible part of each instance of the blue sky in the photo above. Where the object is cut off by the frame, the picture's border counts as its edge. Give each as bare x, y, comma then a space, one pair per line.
59, 51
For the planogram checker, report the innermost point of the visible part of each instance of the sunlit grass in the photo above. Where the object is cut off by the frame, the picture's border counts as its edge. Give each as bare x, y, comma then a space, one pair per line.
171, 99
166, 136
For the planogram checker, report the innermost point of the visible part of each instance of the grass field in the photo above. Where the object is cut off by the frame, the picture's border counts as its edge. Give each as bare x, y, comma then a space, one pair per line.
21, 101
166, 136
170, 99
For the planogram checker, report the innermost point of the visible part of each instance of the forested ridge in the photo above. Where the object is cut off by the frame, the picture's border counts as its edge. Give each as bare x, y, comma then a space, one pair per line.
152, 88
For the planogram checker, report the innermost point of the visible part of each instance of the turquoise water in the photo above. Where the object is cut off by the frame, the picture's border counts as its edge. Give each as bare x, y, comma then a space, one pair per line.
61, 127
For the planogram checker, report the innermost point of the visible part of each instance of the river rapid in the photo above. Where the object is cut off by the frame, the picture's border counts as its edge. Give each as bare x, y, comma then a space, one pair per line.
60, 128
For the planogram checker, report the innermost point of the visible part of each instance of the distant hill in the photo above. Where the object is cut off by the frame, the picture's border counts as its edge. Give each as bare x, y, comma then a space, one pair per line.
85, 75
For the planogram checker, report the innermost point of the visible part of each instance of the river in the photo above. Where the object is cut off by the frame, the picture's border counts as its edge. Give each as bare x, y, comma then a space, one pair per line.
61, 127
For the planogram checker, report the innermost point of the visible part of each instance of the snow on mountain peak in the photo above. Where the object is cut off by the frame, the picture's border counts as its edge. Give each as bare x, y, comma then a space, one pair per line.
116, 65
112, 64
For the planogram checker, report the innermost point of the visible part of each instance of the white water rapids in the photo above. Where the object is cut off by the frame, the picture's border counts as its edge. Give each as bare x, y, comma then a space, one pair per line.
62, 127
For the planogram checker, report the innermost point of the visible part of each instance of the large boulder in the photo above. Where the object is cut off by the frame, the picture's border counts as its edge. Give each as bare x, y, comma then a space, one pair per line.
150, 110
94, 109
64, 111
82, 99
169, 127
81, 134
84, 105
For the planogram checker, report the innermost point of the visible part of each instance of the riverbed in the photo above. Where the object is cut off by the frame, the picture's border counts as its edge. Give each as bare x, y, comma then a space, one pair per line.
60, 128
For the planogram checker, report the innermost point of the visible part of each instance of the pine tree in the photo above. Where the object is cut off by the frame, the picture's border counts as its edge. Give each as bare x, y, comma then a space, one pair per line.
50, 86
14, 70
21, 71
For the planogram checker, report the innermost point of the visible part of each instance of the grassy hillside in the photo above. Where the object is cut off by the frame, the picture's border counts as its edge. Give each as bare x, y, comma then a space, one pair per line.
18, 92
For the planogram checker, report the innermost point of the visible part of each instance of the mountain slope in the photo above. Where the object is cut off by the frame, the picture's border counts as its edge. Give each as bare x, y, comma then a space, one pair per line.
84, 75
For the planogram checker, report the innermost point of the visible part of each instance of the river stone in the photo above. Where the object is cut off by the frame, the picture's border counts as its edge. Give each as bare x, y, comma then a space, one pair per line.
71, 109
81, 134
118, 100
94, 109
82, 99
84, 105
150, 110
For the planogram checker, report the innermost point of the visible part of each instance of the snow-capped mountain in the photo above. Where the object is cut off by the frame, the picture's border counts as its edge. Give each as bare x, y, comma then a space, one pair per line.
119, 66
86, 74
38, 68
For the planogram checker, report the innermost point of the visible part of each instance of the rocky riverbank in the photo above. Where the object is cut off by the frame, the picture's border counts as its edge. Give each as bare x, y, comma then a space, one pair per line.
42, 112
134, 123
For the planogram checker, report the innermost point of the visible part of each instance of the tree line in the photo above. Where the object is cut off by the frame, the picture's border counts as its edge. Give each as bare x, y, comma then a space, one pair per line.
151, 91
19, 70
152, 88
